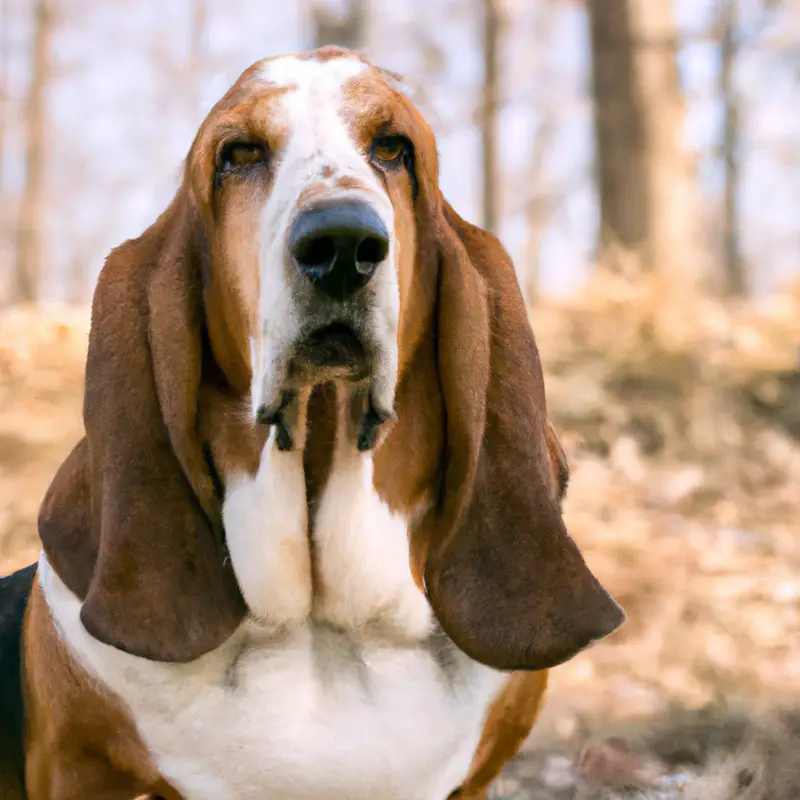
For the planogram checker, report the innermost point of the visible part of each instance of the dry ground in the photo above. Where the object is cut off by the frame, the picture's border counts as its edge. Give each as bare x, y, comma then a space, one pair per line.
682, 420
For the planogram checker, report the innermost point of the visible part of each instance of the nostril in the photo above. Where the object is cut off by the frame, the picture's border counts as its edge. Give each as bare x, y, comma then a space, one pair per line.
315, 254
338, 246
372, 250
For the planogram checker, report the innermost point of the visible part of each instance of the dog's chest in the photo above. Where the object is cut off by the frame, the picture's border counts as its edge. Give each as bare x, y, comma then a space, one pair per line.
314, 718
310, 717
338, 687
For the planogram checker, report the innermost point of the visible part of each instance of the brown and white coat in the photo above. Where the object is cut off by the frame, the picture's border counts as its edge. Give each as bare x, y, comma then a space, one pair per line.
311, 545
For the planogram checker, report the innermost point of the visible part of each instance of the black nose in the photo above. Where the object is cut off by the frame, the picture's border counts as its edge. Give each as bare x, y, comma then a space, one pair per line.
338, 246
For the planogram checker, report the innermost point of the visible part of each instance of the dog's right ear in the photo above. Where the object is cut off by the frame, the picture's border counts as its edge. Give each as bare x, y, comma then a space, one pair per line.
132, 522
504, 578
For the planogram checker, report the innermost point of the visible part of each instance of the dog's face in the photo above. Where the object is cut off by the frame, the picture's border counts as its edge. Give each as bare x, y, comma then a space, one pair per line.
310, 243
306, 174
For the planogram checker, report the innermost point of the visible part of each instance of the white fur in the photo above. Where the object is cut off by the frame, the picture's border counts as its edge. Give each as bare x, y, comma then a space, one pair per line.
362, 553
326, 707
266, 520
318, 150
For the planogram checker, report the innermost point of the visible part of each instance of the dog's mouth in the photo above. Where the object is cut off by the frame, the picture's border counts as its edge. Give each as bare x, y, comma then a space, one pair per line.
332, 352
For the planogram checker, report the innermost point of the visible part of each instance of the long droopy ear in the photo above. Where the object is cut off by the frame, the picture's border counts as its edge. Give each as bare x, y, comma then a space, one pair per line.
131, 522
505, 580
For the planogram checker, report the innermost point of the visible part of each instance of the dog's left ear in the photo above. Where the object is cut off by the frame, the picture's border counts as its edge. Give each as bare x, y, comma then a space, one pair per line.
503, 577
132, 521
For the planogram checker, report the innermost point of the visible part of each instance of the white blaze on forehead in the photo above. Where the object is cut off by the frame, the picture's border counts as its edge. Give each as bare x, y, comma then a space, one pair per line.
303, 72
311, 113
319, 148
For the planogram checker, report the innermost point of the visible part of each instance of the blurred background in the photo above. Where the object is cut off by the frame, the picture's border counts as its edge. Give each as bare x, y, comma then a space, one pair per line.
640, 159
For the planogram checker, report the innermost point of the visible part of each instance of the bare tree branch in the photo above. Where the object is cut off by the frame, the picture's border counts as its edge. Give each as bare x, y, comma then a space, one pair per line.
197, 51
345, 30
734, 276
30, 235
489, 112
5, 48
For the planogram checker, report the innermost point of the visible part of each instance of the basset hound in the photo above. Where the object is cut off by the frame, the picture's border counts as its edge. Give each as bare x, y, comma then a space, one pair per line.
311, 546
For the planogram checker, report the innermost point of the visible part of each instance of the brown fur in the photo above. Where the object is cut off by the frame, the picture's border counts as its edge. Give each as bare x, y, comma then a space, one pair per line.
132, 521
154, 529
80, 742
508, 723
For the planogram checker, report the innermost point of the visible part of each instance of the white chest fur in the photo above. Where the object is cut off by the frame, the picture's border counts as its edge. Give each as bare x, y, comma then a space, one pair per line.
340, 691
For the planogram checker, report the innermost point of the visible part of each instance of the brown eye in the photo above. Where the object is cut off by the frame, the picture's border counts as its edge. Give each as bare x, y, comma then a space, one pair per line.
388, 149
237, 156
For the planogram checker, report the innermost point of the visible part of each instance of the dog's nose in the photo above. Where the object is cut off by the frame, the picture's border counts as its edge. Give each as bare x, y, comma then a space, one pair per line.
338, 246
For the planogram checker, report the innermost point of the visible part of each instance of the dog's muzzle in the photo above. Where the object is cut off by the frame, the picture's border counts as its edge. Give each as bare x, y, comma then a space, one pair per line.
344, 320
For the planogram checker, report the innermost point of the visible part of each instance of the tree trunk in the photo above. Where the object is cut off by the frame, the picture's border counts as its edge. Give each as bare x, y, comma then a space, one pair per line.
619, 131
734, 282
5, 24
7, 218
30, 236
673, 209
489, 109
346, 30
647, 194
537, 211
197, 30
